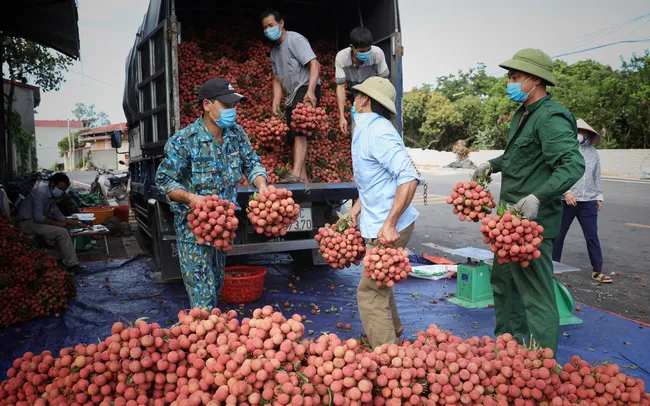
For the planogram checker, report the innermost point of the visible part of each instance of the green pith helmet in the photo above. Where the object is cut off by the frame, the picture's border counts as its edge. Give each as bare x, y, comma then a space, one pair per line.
534, 62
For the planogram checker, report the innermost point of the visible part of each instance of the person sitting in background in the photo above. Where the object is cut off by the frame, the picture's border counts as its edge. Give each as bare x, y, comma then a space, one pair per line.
584, 200
39, 215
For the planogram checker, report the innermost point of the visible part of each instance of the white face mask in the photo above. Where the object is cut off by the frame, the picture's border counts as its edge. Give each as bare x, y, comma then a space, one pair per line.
583, 139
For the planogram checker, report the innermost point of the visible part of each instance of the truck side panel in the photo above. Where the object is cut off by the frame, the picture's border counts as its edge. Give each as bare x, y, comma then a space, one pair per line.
158, 105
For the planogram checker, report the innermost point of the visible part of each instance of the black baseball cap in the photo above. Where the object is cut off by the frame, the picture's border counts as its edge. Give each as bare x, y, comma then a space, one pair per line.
222, 90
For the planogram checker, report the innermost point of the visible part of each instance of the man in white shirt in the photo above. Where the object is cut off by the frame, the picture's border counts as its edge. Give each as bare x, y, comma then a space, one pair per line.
354, 64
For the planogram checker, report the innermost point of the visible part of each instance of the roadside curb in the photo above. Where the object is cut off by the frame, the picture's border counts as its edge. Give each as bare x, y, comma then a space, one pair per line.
461, 170
614, 178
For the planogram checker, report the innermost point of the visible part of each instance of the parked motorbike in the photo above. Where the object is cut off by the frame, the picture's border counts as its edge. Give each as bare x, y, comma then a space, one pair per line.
110, 185
20, 187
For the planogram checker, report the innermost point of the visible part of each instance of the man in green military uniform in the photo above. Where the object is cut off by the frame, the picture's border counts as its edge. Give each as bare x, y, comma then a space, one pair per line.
541, 162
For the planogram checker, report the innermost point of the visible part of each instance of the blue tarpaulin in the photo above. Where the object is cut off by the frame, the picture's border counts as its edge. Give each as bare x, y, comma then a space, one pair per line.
90, 316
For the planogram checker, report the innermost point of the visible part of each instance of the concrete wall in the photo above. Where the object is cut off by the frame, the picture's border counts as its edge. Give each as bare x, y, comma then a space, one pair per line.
616, 163
109, 158
104, 158
47, 149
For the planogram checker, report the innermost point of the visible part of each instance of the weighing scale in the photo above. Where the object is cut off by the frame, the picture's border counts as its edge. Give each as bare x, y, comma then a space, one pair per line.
474, 291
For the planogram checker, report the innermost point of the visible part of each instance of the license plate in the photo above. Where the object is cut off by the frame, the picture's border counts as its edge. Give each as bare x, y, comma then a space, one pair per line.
304, 222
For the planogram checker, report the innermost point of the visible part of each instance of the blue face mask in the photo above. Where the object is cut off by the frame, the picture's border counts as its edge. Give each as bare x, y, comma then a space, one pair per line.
273, 33
228, 118
56, 192
515, 93
362, 56
355, 114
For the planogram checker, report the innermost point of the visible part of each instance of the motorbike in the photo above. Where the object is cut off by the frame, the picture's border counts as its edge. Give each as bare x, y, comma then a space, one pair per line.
20, 187
110, 185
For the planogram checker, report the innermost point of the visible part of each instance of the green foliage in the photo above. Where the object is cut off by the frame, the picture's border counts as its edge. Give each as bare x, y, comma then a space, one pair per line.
90, 116
28, 59
474, 107
429, 118
25, 144
45, 68
64, 144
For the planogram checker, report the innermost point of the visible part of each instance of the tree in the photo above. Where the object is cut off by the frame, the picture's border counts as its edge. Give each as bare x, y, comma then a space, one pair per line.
29, 60
476, 82
474, 107
429, 119
90, 117
64, 144
637, 71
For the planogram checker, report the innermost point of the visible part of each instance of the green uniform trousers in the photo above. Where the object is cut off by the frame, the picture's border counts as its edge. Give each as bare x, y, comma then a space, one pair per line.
524, 300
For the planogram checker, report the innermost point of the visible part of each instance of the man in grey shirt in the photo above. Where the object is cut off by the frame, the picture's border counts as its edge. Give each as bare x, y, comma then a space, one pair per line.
39, 215
296, 74
360, 61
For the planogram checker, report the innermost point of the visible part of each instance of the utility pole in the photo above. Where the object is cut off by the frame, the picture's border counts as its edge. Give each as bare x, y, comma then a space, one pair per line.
70, 160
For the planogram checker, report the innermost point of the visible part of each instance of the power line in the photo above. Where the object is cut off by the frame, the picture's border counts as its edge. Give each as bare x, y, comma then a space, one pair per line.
598, 34
637, 30
633, 41
604, 46
92, 78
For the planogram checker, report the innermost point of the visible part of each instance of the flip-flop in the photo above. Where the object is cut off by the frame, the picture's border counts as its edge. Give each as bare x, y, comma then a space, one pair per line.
290, 179
601, 277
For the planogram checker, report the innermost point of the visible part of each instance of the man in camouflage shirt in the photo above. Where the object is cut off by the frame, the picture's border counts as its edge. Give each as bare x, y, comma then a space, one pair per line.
207, 157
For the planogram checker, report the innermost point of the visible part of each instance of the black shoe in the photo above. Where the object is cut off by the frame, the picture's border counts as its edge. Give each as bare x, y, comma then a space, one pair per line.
77, 270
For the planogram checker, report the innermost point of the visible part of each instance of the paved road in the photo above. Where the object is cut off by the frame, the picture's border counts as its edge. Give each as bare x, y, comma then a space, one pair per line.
624, 225
82, 178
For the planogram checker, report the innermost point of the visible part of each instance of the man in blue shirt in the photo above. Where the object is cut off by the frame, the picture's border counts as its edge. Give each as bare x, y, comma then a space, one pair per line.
386, 179
38, 214
208, 157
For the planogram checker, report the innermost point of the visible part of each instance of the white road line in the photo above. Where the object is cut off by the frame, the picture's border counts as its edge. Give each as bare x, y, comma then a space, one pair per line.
637, 225
81, 183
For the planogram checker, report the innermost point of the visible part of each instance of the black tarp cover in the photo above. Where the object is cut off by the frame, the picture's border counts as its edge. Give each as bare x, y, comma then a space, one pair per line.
52, 23
157, 12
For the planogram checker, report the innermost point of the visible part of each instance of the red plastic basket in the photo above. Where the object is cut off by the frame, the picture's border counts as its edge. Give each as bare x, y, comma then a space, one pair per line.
246, 287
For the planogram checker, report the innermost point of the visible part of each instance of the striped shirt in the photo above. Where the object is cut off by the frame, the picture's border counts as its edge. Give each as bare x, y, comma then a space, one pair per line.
348, 72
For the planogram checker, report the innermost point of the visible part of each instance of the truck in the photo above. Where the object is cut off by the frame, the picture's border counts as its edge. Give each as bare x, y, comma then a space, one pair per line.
151, 105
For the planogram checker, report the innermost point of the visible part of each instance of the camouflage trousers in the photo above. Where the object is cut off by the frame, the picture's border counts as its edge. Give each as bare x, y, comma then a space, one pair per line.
203, 270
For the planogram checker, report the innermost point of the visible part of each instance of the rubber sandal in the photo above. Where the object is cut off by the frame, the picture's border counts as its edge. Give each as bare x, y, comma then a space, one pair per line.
290, 179
601, 277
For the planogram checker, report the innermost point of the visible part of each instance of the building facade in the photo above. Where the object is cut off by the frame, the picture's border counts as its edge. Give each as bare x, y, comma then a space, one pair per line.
48, 135
102, 155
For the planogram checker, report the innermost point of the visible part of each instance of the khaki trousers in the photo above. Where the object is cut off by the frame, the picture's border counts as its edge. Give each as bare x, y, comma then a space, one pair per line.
377, 307
53, 234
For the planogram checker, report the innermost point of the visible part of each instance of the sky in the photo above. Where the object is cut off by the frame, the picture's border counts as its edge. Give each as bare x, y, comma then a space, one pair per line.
439, 37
